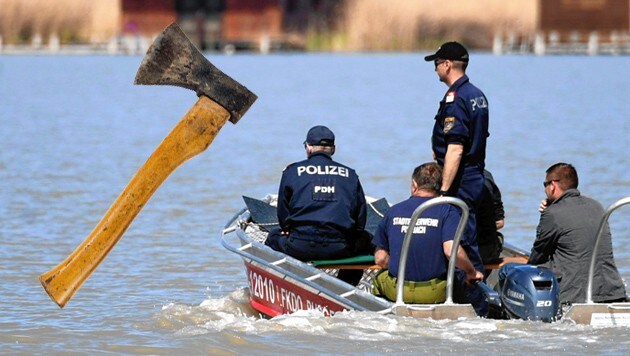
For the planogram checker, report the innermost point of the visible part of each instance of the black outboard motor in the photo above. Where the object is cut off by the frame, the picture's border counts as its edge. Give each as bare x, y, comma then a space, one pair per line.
525, 292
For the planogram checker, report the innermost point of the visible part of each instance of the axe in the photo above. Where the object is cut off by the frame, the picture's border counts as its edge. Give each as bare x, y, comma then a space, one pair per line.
172, 60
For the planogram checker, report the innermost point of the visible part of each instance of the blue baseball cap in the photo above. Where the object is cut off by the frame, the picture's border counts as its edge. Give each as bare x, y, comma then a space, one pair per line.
320, 136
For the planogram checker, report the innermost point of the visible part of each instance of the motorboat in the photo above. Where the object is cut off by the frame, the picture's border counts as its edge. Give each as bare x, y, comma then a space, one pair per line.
280, 284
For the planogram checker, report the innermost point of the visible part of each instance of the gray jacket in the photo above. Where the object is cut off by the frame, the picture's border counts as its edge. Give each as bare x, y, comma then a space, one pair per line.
565, 238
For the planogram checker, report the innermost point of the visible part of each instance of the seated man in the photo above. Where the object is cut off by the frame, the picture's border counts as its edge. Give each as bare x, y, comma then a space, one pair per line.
430, 249
490, 218
321, 205
565, 238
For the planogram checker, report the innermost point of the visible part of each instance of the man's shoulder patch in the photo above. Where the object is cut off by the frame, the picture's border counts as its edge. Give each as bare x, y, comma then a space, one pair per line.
450, 96
449, 123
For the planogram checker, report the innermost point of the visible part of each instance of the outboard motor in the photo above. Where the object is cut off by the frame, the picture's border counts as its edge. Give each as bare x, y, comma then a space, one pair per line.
529, 292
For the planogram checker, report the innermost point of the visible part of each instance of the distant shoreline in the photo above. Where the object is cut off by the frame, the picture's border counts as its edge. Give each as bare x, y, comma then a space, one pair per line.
103, 50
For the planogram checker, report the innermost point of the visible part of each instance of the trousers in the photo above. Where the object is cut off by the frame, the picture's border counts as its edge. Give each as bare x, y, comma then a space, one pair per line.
429, 292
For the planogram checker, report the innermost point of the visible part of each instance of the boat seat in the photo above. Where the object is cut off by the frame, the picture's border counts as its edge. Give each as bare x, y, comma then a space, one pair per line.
504, 260
356, 262
367, 262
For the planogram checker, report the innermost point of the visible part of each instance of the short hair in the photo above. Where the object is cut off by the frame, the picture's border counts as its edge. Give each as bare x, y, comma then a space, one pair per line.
329, 149
428, 176
461, 65
565, 174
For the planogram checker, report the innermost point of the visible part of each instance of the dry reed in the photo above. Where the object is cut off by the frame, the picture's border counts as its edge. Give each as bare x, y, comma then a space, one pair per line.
406, 25
71, 20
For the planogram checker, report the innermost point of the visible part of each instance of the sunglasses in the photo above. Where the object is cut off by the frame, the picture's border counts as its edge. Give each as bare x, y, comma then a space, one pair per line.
438, 61
547, 182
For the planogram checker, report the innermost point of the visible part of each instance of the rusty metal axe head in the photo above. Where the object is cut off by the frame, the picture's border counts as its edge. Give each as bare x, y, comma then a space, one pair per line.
173, 60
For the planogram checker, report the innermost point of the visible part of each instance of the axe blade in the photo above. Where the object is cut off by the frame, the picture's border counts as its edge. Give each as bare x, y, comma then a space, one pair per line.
173, 60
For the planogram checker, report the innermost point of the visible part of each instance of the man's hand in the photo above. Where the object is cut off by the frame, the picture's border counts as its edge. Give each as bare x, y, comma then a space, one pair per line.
462, 262
381, 258
473, 277
543, 205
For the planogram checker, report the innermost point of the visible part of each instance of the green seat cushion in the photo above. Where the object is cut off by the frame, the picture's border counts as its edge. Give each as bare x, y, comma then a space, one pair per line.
356, 260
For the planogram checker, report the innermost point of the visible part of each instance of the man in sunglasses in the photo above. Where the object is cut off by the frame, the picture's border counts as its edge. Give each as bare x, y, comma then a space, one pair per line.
565, 237
459, 146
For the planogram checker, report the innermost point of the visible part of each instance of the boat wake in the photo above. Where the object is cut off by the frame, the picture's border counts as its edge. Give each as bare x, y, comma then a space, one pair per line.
212, 315
233, 325
232, 313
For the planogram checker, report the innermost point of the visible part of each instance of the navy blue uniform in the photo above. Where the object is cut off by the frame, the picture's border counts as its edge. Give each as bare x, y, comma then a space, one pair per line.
435, 226
463, 119
322, 205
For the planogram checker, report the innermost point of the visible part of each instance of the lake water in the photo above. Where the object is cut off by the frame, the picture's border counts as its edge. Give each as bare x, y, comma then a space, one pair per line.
74, 130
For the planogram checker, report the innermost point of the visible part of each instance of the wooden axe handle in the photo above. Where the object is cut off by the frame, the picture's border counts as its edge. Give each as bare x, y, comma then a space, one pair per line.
192, 135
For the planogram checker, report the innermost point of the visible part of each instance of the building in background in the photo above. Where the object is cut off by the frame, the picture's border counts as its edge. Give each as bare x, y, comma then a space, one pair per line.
146, 17
230, 24
570, 18
574, 27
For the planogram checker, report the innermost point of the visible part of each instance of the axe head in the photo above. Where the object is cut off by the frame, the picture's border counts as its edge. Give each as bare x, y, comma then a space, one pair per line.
173, 60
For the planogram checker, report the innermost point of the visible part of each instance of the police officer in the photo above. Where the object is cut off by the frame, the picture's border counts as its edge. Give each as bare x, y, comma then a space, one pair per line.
321, 205
459, 139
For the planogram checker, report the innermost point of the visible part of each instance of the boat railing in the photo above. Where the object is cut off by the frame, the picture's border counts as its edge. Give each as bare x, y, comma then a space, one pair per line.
409, 235
234, 225
602, 226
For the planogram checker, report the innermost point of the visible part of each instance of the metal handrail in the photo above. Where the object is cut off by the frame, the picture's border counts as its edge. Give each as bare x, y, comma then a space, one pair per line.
230, 228
402, 266
591, 272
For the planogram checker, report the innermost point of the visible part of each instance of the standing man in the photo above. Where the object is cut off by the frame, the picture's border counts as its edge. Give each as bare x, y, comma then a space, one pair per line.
321, 205
430, 249
565, 238
459, 143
